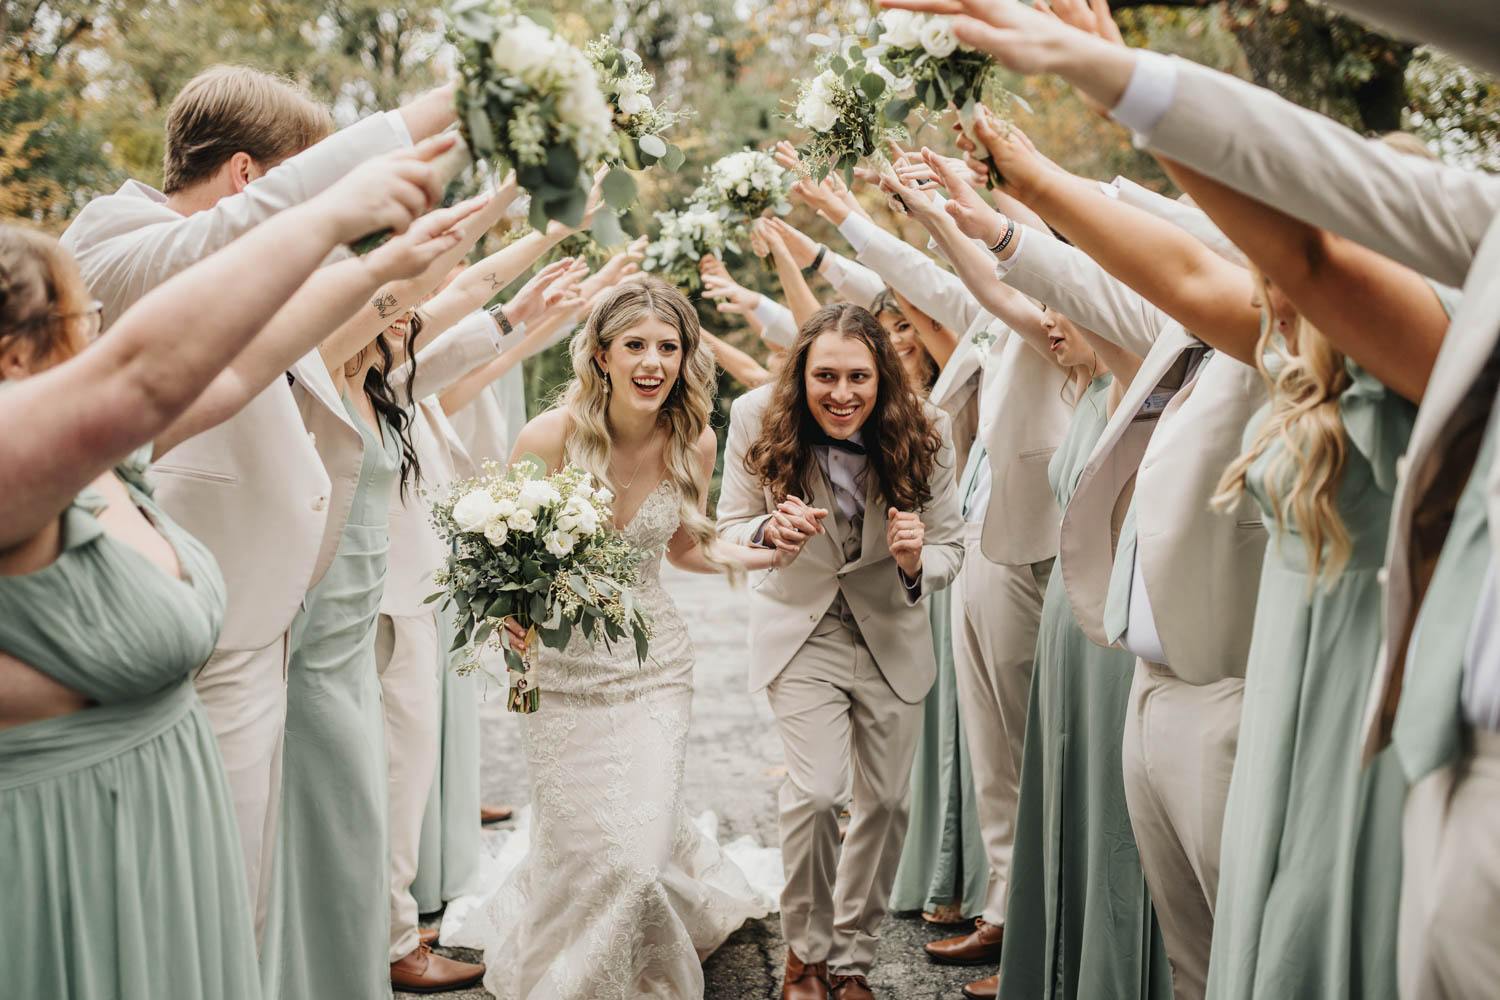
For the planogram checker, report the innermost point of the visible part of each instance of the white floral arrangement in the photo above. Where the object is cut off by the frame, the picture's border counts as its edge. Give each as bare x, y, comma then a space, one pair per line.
529, 99
543, 550
843, 110
627, 87
744, 185
683, 237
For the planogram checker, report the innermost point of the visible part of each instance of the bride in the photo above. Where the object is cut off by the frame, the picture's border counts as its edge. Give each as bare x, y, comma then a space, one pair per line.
620, 896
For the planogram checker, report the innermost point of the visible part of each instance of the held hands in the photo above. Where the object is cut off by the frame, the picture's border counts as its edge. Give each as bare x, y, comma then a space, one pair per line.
387, 193
790, 526
903, 536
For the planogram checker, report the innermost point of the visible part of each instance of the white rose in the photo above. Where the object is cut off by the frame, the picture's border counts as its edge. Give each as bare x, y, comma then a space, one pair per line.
504, 508
536, 494
523, 521
522, 47
817, 115
474, 510
634, 104
559, 543
603, 495
496, 532
901, 28
938, 38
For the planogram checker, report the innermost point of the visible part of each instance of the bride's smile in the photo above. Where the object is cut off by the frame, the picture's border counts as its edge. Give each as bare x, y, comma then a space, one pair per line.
642, 364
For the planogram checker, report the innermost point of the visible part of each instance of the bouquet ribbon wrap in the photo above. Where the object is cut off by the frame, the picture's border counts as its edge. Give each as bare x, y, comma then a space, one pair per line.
524, 695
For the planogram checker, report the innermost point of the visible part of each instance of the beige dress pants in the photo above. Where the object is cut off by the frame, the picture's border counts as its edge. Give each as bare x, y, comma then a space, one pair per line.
244, 693
996, 612
834, 710
1177, 756
406, 651
1448, 947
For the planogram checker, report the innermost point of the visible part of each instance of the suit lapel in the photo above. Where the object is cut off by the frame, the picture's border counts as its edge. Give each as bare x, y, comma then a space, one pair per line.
822, 496
312, 375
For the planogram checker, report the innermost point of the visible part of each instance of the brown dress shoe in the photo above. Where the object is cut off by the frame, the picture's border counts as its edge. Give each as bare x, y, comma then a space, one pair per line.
494, 814
427, 936
804, 982
981, 947
424, 972
851, 988
985, 989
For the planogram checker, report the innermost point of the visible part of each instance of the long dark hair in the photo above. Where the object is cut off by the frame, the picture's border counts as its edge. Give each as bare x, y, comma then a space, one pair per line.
901, 442
388, 407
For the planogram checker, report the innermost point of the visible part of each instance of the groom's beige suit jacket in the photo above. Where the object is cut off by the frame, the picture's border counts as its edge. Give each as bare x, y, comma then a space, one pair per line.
1439, 220
257, 489
1201, 566
789, 601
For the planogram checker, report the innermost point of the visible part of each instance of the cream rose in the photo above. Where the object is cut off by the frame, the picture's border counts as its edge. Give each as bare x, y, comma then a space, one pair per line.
937, 37
559, 543
474, 510
496, 532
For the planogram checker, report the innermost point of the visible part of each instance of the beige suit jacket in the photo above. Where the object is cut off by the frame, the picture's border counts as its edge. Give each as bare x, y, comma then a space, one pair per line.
1438, 220
788, 602
1022, 415
1467, 28
252, 489
1201, 566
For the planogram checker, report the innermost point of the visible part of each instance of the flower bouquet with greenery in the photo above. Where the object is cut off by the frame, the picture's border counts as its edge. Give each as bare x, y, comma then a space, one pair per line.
744, 185
541, 549
627, 87
683, 237
530, 100
843, 110
923, 49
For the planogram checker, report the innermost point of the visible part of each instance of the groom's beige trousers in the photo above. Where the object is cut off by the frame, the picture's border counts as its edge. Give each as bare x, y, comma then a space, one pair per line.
835, 710
244, 694
406, 653
996, 613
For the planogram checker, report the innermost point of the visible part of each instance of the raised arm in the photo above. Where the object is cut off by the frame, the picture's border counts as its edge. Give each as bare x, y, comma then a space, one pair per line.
684, 551
137, 380
740, 366
799, 297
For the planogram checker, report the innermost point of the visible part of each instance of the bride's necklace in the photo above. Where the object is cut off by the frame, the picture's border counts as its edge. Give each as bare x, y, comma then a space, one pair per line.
624, 484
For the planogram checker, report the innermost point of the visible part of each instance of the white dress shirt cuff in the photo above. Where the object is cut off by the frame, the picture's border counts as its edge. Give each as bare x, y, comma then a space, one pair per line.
1148, 95
858, 230
398, 125
1002, 267
1111, 188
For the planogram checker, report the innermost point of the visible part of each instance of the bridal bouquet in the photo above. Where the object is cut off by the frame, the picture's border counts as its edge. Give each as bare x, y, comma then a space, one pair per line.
540, 549
627, 87
529, 99
683, 237
843, 108
744, 185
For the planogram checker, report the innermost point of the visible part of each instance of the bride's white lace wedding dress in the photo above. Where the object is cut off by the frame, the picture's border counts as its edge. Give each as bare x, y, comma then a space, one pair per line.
619, 894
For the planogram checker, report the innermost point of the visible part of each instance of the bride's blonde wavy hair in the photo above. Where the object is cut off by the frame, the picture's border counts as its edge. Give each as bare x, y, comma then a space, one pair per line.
1304, 416
684, 413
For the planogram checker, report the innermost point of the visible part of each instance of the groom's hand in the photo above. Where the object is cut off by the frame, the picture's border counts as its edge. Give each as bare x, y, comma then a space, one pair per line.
903, 535
792, 524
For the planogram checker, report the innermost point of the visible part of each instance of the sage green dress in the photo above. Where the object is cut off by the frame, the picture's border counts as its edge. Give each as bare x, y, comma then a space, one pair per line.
328, 926
1310, 868
943, 860
121, 873
448, 861
1078, 920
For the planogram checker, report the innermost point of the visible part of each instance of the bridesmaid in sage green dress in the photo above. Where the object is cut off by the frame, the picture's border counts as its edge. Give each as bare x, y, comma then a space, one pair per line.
1310, 870
121, 862
1078, 920
328, 927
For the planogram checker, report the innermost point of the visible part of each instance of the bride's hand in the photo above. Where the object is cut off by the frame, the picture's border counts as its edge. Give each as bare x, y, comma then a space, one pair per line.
515, 634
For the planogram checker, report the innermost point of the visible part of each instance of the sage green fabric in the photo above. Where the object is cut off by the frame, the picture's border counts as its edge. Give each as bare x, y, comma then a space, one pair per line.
1310, 869
943, 859
448, 864
327, 930
1078, 920
121, 866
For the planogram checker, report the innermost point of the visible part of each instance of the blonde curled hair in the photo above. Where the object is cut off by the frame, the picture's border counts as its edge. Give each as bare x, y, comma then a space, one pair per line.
1305, 417
684, 412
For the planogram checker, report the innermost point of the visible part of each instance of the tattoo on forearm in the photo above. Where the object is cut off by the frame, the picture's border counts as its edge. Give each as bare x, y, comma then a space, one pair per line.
385, 305
494, 281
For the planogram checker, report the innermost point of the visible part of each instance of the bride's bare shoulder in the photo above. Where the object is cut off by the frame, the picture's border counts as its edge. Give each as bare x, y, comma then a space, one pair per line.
544, 436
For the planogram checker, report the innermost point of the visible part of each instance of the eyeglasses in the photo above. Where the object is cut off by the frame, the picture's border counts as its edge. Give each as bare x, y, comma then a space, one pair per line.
92, 314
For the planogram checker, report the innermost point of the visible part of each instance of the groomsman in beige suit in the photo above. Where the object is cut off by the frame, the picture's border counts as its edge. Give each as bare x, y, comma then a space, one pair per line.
1152, 567
1010, 540
255, 488
839, 637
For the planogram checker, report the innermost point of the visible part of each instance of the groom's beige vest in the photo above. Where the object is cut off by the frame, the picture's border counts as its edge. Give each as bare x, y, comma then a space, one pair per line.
788, 602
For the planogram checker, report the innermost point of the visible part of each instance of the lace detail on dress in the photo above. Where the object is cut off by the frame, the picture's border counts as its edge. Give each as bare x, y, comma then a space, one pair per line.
619, 895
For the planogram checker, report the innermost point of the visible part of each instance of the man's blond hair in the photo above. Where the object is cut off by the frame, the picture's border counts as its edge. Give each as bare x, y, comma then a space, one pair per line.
234, 109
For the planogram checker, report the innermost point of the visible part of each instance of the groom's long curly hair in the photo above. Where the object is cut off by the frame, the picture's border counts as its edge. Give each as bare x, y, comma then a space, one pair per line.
902, 443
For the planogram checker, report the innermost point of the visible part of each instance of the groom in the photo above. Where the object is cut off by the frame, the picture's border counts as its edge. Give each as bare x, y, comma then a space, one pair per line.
839, 637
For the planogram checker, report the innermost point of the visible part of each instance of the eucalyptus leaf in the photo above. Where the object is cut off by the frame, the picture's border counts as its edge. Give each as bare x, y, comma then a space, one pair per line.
619, 187
872, 85
562, 165
538, 608
839, 65
673, 159
607, 231
653, 144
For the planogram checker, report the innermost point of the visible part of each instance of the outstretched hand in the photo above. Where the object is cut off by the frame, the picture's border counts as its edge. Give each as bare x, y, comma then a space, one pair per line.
427, 239
970, 212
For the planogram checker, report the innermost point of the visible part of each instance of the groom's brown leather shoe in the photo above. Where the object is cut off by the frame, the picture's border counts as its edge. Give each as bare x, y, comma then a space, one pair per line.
494, 814
981, 947
804, 982
985, 989
427, 936
424, 972
851, 988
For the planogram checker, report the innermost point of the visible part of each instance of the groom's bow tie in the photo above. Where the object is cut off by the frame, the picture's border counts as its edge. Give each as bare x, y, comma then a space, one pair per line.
821, 439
